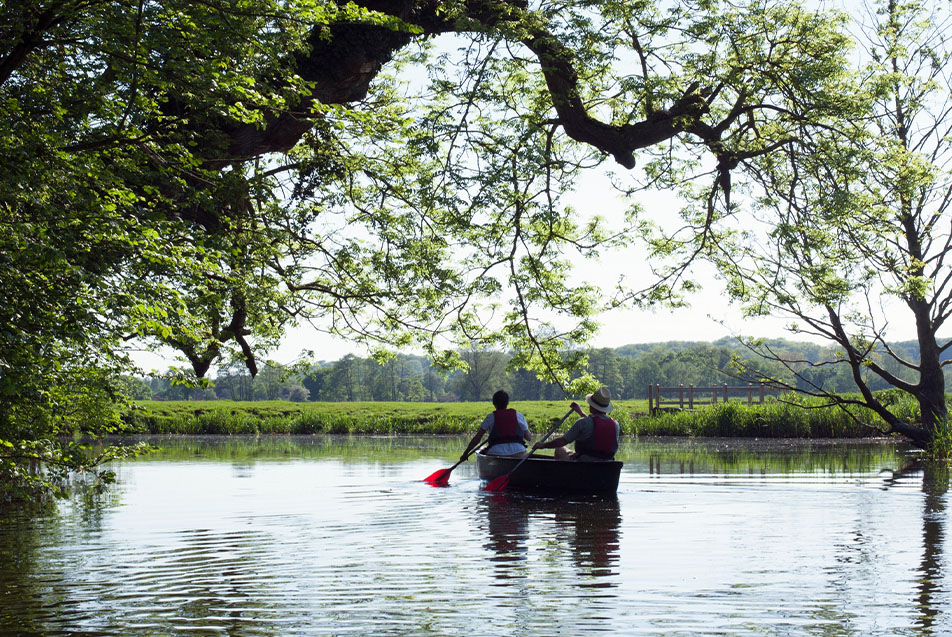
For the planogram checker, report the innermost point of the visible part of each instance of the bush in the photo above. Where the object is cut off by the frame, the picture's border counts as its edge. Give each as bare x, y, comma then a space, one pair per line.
791, 417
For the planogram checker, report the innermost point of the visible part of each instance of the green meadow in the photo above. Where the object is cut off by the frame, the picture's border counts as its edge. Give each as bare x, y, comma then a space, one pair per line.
792, 418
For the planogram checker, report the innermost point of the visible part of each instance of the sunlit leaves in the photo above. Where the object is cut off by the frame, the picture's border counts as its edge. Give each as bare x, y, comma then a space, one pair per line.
857, 205
110, 112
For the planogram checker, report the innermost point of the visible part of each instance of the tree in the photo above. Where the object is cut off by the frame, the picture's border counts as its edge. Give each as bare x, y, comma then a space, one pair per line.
234, 382
604, 364
485, 373
202, 175
244, 263
345, 380
646, 372
434, 383
314, 381
298, 394
859, 209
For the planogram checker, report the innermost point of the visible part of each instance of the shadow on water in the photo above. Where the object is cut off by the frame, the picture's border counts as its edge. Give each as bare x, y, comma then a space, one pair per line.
935, 486
20, 557
585, 527
935, 478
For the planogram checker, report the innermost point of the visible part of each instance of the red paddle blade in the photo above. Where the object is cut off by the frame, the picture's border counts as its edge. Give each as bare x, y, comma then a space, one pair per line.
498, 484
443, 475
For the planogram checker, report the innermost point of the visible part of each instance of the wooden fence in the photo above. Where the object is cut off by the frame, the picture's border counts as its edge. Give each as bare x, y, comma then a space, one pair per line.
689, 397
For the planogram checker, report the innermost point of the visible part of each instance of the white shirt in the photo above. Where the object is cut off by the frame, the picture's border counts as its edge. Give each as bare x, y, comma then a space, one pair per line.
505, 448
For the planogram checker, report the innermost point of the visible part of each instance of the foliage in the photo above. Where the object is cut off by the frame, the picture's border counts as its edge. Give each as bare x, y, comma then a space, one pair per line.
940, 445
201, 175
627, 371
789, 418
39, 457
228, 417
96, 101
849, 214
35, 471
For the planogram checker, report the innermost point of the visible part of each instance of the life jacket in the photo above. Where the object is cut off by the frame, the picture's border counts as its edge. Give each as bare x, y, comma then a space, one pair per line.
505, 428
604, 440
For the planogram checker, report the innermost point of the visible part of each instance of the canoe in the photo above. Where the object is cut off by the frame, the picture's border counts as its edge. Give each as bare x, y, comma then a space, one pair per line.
548, 474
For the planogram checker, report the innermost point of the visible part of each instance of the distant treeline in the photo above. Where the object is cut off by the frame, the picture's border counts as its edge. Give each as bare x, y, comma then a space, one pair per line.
627, 370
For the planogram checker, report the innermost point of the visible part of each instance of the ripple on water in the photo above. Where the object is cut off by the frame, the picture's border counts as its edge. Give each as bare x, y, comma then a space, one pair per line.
312, 547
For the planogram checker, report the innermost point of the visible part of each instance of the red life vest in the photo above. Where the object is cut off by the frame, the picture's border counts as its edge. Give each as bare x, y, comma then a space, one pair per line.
604, 440
505, 428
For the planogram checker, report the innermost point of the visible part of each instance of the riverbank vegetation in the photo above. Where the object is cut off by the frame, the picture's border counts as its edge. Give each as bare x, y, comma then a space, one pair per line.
200, 178
788, 418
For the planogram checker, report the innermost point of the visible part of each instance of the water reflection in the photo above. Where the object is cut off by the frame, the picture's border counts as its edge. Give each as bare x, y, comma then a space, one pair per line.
646, 456
20, 554
935, 486
586, 528
339, 536
710, 456
507, 521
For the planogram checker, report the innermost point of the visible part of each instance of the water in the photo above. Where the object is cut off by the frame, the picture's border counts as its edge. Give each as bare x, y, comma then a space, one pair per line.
338, 536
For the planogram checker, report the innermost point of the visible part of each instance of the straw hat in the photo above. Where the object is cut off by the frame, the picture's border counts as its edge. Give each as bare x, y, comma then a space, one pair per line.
600, 400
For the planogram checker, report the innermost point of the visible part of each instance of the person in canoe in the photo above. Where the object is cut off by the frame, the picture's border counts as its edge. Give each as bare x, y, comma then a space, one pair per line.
595, 436
507, 428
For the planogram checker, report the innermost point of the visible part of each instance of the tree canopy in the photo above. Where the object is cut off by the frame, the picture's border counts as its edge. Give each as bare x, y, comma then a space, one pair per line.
201, 175
857, 212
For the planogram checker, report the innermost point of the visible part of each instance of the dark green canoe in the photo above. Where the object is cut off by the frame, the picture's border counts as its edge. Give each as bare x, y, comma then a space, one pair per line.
548, 474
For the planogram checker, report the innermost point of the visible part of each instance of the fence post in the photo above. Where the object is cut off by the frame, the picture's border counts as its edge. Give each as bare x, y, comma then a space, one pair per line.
681, 397
726, 395
761, 393
691, 397
650, 397
750, 395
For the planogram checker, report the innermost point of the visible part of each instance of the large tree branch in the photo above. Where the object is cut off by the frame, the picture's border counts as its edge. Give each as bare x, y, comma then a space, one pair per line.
33, 36
618, 140
341, 62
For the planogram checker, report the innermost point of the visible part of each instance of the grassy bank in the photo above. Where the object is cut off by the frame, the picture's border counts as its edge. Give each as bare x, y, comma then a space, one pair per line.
278, 417
773, 419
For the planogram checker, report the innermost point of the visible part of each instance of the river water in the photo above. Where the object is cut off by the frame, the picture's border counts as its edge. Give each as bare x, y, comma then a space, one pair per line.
340, 536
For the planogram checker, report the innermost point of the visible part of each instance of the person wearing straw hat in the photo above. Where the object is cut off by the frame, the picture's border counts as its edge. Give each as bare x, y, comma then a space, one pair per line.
595, 436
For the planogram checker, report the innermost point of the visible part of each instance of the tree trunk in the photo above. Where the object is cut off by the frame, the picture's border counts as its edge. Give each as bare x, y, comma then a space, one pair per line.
931, 388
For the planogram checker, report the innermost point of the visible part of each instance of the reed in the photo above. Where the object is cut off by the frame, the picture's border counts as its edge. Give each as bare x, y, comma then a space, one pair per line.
277, 417
792, 417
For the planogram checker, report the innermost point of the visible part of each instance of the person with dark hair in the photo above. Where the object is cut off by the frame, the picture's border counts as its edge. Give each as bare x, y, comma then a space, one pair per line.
507, 428
595, 435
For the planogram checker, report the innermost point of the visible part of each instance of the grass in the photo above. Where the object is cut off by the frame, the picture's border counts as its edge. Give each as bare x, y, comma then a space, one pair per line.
773, 419
279, 417
770, 420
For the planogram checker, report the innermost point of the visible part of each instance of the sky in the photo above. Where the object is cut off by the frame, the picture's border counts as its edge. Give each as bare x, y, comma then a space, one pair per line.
709, 318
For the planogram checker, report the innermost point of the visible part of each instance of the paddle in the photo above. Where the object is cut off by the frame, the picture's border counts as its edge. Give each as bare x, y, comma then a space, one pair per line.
500, 483
442, 476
